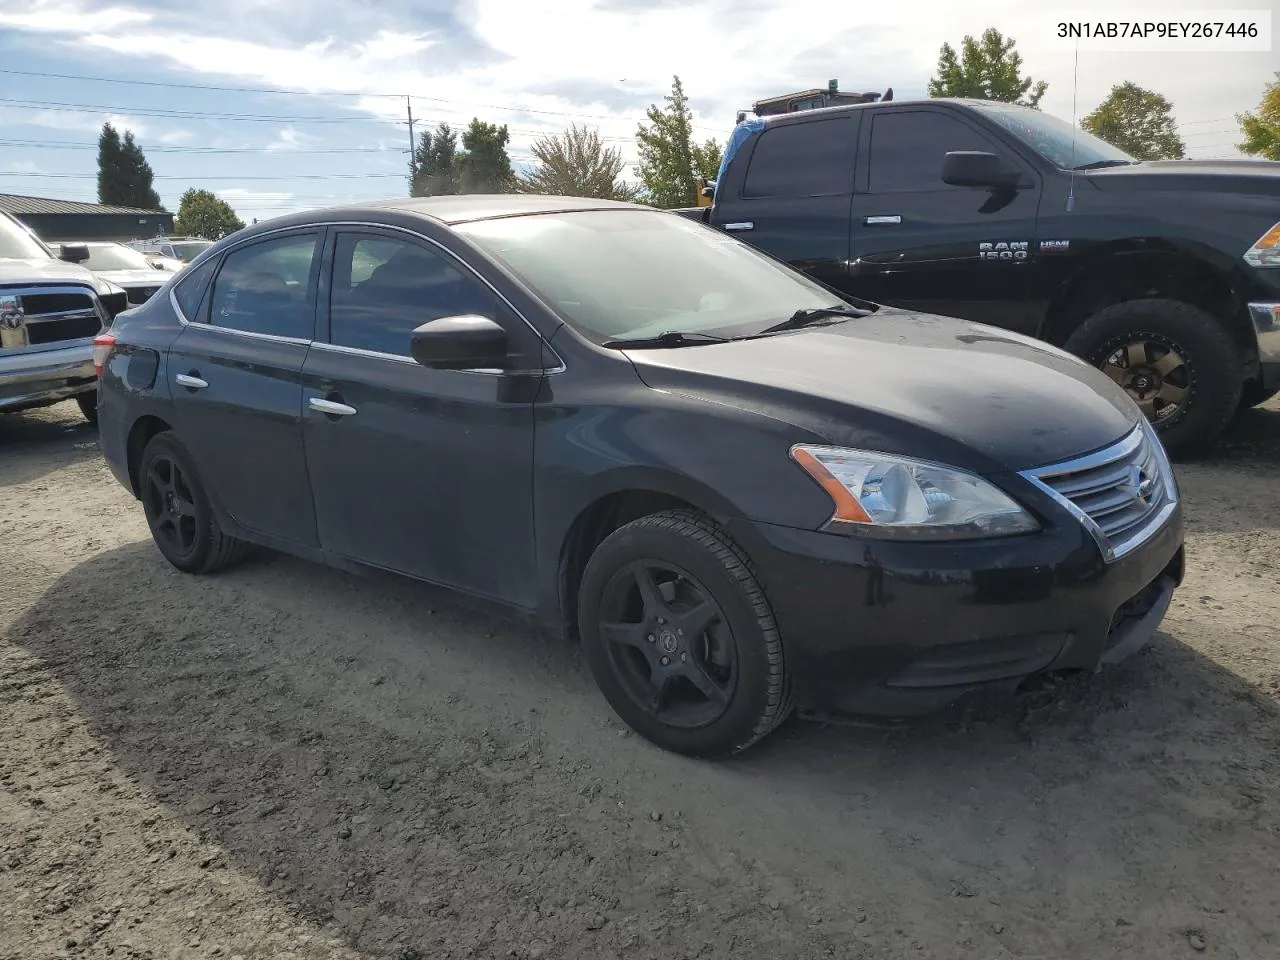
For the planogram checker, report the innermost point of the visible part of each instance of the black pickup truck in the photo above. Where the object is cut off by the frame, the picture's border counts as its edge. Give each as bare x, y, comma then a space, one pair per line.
1164, 274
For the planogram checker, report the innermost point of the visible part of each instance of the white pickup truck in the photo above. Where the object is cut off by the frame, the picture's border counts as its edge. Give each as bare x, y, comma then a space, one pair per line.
50, 310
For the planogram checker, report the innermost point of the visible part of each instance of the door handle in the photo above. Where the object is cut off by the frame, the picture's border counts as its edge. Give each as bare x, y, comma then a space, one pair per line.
740, 226
879, 221
331, 408
190, 381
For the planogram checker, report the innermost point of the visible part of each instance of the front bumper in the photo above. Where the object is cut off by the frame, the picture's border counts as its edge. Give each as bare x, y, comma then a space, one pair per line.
1266, 328
36, 378
873, 627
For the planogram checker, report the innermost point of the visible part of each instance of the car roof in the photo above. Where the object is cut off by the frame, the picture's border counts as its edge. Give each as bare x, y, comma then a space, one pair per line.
487, 206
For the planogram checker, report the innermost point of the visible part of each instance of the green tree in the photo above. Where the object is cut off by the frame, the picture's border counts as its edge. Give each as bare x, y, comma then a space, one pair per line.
202, 214
1138, 121
432, 172
112, 180
986, 69
1261, 130
484, 166
576, 163
670, 162
124, 176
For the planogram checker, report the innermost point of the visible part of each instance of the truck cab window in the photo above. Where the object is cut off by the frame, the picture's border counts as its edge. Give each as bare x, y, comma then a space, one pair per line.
907, 148
810, 159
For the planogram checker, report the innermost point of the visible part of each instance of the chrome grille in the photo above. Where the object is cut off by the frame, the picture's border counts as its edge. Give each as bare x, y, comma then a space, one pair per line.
1122, 494
36, 316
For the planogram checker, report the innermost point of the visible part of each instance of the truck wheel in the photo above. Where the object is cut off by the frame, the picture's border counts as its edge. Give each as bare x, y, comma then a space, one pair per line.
1177, 362
88, 403
680, 637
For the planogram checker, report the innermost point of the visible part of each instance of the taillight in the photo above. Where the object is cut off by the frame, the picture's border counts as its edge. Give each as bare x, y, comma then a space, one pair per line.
103, 344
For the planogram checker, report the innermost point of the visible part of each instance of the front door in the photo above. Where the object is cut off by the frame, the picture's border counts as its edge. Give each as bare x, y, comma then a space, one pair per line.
424, 472
237, 383
922, 244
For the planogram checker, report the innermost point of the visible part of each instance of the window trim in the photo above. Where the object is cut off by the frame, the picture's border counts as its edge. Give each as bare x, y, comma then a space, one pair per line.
853, 127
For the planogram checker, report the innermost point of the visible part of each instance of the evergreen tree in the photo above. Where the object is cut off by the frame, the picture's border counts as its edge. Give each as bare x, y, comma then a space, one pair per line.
990, 69
124, 176
138, 176
432, 171
112, 182
485, 167
669, 162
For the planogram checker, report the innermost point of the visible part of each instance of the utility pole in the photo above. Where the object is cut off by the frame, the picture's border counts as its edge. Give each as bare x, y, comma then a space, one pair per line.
413, 145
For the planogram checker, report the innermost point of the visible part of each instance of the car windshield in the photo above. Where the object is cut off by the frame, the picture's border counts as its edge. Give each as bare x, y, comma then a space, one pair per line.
1056, 140
629, 274
189, 250
115, 257
19, 244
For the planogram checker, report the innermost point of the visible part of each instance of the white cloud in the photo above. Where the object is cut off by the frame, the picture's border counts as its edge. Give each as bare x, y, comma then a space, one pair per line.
175, 137
289, 138
608, 60
24, 166
59, 120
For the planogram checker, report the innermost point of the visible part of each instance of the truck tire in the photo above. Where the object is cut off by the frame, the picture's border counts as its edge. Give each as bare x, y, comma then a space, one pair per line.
1177, 362
1255, 395
88, 403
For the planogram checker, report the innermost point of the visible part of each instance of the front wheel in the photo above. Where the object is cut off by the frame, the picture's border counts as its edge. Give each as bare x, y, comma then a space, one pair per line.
680, 637
1177, 363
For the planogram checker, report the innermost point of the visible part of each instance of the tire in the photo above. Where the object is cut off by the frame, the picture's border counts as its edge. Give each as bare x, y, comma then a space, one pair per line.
733, 662
1209, 378
184, 528
88, 404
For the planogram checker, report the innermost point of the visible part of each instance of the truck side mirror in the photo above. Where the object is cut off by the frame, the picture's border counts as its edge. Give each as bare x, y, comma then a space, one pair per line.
976, 168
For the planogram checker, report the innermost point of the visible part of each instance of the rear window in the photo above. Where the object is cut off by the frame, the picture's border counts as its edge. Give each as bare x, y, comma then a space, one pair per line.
812, 159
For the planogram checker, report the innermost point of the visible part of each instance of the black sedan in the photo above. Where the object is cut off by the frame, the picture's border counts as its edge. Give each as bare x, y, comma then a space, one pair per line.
740, 491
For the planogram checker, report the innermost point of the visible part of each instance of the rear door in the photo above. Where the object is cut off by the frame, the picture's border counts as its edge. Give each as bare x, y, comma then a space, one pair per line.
421, 471
237, 382
793, 199
922, 244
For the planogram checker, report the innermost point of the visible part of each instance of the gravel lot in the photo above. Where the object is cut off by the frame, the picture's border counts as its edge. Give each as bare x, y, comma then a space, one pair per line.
286, 761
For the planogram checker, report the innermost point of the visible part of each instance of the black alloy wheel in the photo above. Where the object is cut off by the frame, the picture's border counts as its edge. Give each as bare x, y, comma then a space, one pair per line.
178, 510
680, 637
669, 643
1154, 374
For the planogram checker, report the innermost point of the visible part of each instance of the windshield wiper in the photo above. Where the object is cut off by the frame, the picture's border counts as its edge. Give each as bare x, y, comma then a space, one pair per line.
807, 318
668, 338
1099, 164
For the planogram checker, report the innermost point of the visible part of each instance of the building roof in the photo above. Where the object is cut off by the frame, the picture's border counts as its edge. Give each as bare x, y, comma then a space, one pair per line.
18, 205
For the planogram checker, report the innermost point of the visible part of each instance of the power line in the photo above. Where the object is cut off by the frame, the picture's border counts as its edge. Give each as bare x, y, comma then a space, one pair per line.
295, 176
166, 84
198, 151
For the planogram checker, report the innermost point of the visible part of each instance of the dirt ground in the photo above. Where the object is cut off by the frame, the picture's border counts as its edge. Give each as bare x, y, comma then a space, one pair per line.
286, 761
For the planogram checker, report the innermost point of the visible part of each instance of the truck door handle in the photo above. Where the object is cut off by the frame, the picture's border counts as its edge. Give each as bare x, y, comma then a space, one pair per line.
880, 221
331, 408
740, 226
190, 381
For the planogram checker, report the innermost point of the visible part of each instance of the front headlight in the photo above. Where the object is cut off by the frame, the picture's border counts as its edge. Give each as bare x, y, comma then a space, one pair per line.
881, 495
1265, 251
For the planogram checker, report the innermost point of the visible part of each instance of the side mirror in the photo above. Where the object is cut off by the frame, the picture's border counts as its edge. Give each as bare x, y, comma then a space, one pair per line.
976, 168
459, 343
709, 191
73, 252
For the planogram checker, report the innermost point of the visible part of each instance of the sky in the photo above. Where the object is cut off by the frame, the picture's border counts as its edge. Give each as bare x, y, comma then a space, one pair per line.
287, 105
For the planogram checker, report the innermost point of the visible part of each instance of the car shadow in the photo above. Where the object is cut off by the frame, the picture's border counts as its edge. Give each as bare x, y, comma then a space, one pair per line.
400, 768
1251, 440
36, 443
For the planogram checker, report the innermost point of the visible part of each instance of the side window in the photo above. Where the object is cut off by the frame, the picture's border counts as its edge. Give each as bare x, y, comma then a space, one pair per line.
907, 150
167, 251
190, 288
383, 287
265, 288
813, 159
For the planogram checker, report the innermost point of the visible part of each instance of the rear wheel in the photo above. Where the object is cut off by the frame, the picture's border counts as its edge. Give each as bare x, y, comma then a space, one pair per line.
88, 403
1177, 363
178, 510
680, 637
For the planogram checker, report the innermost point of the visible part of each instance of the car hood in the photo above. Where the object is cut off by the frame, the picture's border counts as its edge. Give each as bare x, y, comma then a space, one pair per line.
45, 271
1232, 176
930, 387
135, 278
